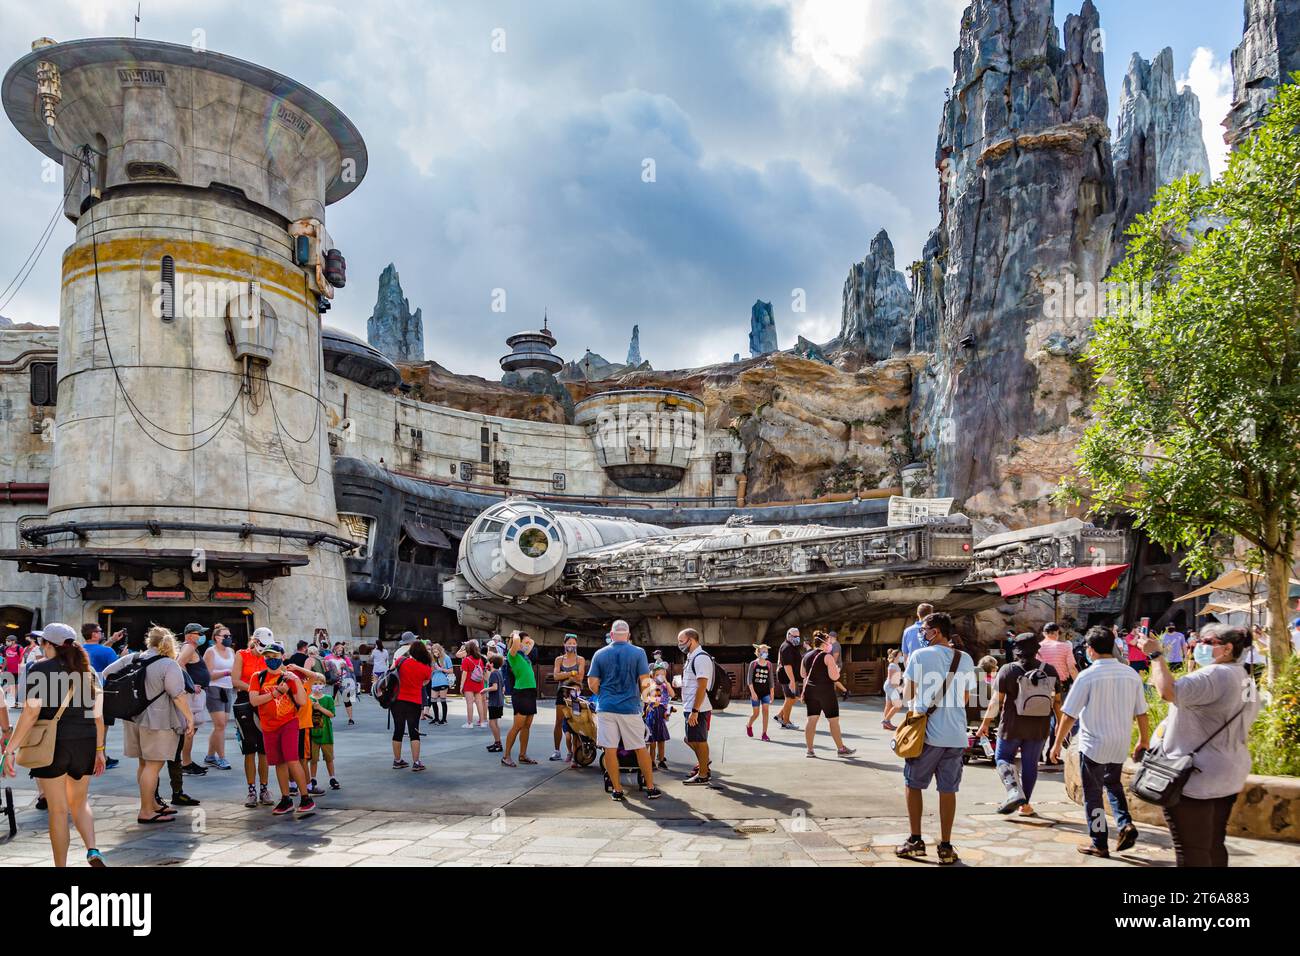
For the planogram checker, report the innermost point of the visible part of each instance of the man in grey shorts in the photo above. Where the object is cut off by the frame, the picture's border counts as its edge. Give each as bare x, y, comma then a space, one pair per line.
618, 674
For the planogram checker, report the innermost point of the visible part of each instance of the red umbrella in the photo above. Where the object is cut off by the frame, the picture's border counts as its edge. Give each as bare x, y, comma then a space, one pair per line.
1087, 581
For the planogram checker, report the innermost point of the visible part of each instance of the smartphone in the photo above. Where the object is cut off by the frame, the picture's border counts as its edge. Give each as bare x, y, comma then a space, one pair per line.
1145, 627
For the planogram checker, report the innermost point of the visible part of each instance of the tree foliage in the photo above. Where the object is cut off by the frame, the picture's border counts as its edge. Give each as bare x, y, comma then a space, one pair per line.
1197, 415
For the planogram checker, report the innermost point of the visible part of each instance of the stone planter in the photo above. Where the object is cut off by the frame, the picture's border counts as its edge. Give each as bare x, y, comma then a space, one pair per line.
1268, 808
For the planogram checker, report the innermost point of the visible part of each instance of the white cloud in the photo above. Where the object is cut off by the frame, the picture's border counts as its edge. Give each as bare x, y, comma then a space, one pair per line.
1211, 81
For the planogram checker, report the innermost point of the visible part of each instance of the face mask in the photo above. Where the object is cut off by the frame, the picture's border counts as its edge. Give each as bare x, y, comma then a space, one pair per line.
227, 641
683, 646
609, 638
763, 656
571, 649
1204, 654
660, 678
274, 663
794, 641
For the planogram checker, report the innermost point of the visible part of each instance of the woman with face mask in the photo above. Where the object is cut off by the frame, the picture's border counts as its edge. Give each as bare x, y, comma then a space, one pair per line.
759, 679
570, 672
220, 661
1210, 714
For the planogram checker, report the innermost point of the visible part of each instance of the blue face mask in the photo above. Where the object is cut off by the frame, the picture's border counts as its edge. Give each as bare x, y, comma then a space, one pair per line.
763, 656
274, 663
1204, 654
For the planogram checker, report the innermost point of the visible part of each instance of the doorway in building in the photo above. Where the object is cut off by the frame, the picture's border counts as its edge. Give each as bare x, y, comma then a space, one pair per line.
137, 619
17, 621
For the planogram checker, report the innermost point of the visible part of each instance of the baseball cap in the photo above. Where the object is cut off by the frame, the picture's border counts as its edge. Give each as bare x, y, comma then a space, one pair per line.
58, 634
275, 647
408, 637
263, 636
194, 629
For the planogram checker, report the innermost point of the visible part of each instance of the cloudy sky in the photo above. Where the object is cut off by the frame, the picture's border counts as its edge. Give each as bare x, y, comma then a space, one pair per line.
509, 144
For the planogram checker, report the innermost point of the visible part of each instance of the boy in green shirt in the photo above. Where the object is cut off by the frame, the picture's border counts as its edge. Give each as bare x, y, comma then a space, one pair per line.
322, 736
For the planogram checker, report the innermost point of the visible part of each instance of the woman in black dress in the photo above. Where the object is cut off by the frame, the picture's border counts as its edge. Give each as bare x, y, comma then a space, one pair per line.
64, 677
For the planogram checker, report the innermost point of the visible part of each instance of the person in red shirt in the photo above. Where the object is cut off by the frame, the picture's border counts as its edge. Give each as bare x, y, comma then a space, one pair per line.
473, 677
414, 668
278, 694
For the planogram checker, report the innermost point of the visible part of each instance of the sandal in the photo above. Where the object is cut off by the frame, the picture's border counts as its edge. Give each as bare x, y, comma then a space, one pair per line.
157, 818
528, 760
507, 762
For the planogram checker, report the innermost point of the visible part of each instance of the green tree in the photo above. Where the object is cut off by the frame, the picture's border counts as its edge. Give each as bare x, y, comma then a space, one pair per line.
1196, 428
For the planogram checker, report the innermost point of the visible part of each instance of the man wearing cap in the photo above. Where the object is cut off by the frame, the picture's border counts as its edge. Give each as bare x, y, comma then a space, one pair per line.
247, 663
279, 696
788, 661
619, 674
190, 658
1020, 734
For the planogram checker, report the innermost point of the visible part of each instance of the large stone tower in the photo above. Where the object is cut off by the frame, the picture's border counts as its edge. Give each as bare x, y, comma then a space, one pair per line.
191, 465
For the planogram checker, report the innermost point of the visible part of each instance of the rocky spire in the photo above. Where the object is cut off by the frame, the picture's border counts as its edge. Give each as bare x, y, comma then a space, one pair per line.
1027, 196
875, 306
634, 347
762, 329
392, 328
1159, 138
1268, 54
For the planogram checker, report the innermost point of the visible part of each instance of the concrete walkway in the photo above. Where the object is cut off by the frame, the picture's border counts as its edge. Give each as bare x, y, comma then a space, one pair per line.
771, 806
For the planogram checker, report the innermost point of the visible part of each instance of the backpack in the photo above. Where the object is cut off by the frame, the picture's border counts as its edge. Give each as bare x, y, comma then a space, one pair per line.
385, 691
1035, 692
719, 687
125, 696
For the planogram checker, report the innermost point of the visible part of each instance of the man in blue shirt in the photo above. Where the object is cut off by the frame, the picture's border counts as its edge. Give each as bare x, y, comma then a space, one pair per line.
914, 636
619, 673
930, 681
100, 656
1173, 643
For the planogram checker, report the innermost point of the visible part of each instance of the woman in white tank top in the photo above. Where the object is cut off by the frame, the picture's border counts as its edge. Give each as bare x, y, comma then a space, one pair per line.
220, 659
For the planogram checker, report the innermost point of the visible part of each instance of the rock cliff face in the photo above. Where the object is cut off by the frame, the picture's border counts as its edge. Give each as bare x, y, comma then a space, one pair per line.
391, 327
762, 329
1027, 199
876, 304
927, 293
1268, 54
1159, 138
634, 347
430, 382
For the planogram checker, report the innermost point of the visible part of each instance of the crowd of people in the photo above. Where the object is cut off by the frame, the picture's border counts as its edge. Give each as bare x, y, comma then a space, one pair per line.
1024, 709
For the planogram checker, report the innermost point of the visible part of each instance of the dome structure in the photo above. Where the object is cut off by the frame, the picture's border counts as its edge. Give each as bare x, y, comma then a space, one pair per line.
531, 352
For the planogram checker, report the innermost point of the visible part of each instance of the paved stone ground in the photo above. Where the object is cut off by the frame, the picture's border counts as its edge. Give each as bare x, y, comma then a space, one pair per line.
771, 807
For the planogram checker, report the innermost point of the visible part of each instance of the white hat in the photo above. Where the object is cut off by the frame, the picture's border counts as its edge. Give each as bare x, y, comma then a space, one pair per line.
59, 634
263, 636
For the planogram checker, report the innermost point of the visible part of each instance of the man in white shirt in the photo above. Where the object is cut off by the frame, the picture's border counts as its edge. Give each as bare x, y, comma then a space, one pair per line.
697, 674
1106, 698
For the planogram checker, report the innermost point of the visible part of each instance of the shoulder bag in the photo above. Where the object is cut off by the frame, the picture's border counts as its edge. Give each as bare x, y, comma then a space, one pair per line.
909, 738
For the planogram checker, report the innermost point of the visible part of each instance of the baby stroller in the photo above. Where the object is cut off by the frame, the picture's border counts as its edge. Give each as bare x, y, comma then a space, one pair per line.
626, 764
580, 721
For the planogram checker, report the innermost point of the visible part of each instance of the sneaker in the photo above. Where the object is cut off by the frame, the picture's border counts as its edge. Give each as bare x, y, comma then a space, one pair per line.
947, 855
400, 764
264, 796
110, 763
417, 767
695, 780
335, 785
466, 726
95, 858
662, 765
557, 756
913, 848
749, 731
654, 793
846, 751
1126, 838
252, 797
351, 721
810, 753
767, 739
306, 807
618, 795
314, 790
284, 806
222, 763
886, 725
210, 759
183, 800
193, 769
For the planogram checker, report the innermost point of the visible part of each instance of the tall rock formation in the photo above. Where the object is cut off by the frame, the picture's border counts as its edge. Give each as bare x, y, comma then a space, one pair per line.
634, 347
762, 329
1159, 138
1268, 54
1027, 200
876, 304
391, 327
927, 294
